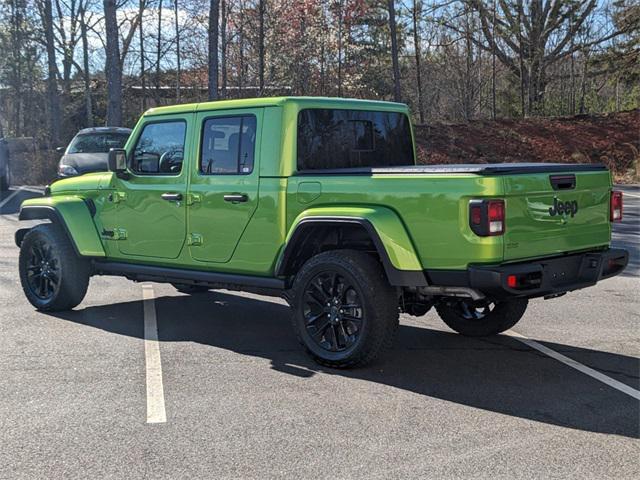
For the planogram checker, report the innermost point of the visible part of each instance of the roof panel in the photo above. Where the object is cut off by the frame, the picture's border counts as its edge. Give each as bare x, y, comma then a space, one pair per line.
311, 102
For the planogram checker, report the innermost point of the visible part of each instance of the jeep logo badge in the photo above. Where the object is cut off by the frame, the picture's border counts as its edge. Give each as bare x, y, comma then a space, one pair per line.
560, 208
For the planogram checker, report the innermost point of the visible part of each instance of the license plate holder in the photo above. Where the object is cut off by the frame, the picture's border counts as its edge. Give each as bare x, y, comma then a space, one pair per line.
583, 269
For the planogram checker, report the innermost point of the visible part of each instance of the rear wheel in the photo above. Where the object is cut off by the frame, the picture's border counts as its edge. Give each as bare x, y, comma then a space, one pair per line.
345, 313
53, 276
481, 319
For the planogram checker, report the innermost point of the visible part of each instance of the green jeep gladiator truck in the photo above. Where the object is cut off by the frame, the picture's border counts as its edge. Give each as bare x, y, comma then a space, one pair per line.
320, 200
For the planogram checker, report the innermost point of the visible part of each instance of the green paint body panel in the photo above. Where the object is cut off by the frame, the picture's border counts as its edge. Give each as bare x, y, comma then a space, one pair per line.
532, 232
77, 218
421, 218
424, 214
387, 224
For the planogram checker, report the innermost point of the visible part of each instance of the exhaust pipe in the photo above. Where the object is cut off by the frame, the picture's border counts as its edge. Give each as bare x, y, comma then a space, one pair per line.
465, 292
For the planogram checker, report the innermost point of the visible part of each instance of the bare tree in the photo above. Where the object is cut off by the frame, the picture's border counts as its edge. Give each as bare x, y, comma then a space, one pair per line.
415, 17
158, 53
52, 71
223, 49
397, 96
241, 62
214, 9
113, 68
468, 80
493, 63
86, 74
471, 58
529, 38
521, 69
261, 13
143, 75
340, 44
178, 65
67, 39
323, 47
16, 66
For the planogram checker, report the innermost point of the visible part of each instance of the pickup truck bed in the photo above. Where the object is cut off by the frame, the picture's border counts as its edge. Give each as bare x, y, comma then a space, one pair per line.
434, 200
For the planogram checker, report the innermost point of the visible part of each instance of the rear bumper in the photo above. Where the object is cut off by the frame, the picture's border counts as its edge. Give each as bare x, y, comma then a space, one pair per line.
538, 278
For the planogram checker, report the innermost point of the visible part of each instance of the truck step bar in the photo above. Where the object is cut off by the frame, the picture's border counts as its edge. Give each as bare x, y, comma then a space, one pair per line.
189, 277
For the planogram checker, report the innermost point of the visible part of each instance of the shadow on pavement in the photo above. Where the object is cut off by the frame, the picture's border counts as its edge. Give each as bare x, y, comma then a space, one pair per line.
497, 374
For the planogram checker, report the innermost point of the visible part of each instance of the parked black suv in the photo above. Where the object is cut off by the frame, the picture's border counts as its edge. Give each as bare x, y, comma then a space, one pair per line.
89, 149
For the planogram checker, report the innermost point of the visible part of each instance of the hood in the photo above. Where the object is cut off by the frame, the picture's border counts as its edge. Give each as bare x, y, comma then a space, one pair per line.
88, 181
86, 162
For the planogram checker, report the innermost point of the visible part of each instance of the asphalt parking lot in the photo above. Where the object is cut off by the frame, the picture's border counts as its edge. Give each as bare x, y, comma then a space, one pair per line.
241, 400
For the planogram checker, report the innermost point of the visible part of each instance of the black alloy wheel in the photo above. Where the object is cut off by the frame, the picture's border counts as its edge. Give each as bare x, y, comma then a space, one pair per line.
53, 276
333, 311
43, 269
345, 313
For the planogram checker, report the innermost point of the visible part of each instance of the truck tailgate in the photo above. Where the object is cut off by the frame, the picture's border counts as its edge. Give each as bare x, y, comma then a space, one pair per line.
552, 213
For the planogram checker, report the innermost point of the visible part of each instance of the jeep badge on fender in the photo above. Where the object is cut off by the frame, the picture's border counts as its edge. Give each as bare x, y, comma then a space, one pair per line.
563, 207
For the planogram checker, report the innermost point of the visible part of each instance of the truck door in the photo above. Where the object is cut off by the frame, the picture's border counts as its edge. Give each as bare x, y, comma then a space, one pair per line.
151, 211
223, 191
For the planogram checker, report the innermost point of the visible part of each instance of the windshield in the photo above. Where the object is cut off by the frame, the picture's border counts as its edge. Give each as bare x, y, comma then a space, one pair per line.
97, 142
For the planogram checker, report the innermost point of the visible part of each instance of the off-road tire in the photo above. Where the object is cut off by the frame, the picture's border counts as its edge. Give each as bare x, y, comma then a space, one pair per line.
503, 316
360, 273
190, 289
72, 271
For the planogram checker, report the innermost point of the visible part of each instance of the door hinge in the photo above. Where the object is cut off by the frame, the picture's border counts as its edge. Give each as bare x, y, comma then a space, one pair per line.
117, 197
195, 239
193, 198
115, 234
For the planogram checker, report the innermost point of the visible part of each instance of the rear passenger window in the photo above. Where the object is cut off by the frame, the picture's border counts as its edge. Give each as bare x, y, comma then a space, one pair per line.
331, 138
228, 145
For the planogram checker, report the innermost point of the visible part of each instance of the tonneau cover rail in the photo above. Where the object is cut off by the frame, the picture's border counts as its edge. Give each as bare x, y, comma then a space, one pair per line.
478, 168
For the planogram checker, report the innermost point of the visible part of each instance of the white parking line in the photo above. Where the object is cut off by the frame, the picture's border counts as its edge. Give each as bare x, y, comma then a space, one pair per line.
39, 190
155, 391
6, 200
9, 197
625, 194
578, 366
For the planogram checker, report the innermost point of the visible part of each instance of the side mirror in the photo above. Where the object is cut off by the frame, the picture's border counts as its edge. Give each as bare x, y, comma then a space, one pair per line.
117, 160
60, 149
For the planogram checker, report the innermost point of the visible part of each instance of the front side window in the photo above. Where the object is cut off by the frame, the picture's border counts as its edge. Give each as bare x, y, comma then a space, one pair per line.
97, 142
332, 138
228, 145
160, 149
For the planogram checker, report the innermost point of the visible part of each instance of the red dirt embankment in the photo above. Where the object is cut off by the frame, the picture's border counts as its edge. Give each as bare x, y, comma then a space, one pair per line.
612, 139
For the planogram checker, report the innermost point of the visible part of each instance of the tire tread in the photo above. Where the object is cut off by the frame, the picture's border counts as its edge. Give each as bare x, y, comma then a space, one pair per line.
75, 271
379, 295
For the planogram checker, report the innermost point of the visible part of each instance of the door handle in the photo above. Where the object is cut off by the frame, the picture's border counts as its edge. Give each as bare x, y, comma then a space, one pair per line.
236, 197
172, 197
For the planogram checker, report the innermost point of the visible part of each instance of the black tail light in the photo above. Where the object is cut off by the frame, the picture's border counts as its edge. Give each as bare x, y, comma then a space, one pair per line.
615, 206
487, 217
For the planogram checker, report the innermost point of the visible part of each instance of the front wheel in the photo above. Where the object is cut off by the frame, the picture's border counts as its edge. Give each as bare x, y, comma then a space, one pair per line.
345, 313
480, 320
53, 276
